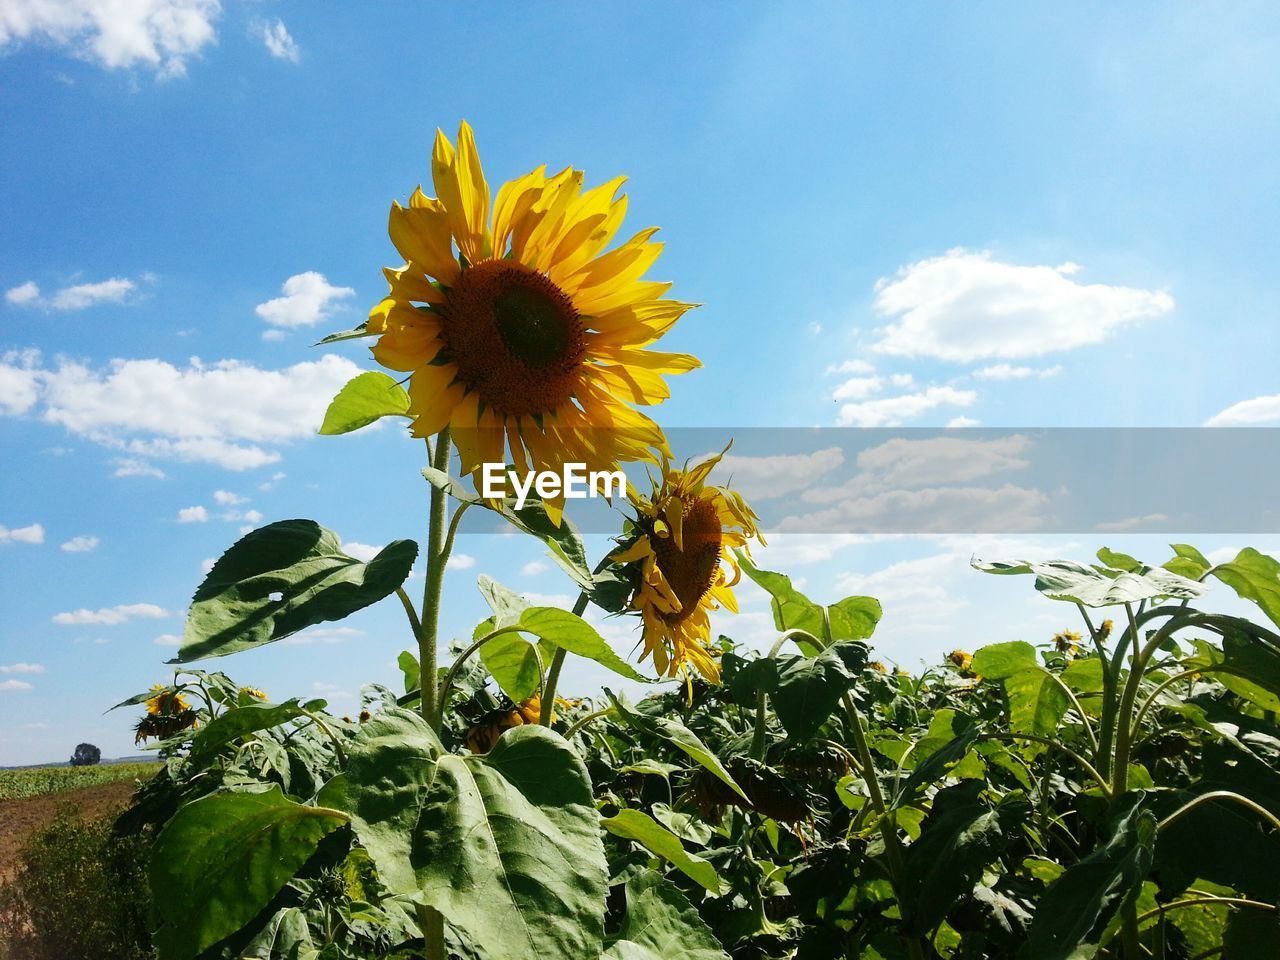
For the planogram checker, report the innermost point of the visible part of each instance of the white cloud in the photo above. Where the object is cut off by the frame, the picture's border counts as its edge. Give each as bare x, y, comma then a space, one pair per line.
1132, 523
960, 422
221, 413
930, 510
760, 478
19, 381
33, 533
26, 668
207, 564
23, 293
892, 411
851, 366
278, 41
361, 551
533, 568
324, 635
225, 498
268, 484
786, 550
85, 295
81, 544
308, 299
1246, 413
858, 388
7, 685
916, 463
128, 467
196, 514
160, 34
168, 640
460, 561
1005, 371
965, 306
902, 380
112, 616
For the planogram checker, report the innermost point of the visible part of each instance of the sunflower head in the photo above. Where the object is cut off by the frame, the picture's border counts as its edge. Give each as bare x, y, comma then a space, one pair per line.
1105, 629
684, 536
1067, 643
518, 330
961, 659
166, 702
249, 694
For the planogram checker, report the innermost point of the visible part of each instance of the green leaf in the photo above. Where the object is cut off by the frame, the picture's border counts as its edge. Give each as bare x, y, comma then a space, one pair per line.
938, 761
514, 664
1119, 561
570, 632
1252, 671
508, 847
221, 859
1083, 676
1064, 580
1254, 576
302, 565
1077, 906
661, 924
1036, 702
678, 735
961, 836
806, 690
411, 669
355, 333
365, 399
1251, 935
1188, 561
506, 604
853, 618
390, 765
283, 938
999, 660
240, 722
661, 842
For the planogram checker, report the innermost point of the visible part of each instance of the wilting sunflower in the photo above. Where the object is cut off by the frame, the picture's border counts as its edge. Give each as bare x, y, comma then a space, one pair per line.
166, 701
684, 535
518, 331
168, 714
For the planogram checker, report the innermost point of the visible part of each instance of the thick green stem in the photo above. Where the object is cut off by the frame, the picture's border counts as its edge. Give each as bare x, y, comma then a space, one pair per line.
429, 919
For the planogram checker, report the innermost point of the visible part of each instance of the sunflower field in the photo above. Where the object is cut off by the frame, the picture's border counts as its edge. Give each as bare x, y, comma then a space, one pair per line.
1113, 791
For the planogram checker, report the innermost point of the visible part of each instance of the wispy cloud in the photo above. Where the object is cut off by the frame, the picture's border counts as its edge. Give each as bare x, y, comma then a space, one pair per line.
81, 544
278, 41
112, 616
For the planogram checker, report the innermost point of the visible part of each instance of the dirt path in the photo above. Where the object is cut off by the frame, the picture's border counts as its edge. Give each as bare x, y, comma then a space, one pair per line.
21, 818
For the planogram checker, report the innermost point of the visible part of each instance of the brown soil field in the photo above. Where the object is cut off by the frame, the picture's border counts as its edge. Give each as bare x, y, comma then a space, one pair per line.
21, 818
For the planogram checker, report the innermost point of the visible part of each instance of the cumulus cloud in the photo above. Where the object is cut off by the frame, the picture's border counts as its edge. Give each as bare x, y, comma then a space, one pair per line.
225, 498
858, 388
892, 411
168, 640
196, 514
1133, 523
129, 467
308, 299
32, 533
1246, 413
112, 616
1005, 371
323, 635
159, 34
23, 294
25, 668
460, 561
361, 551
761, 478
224, 413
957, 423
279, 43
533, 568
966, 305
13, 685
82, 544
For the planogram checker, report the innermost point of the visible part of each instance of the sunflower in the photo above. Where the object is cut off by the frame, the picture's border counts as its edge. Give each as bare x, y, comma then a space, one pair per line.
685, 532
252, 693
961, 659
1067, 643
517, 330
166, 702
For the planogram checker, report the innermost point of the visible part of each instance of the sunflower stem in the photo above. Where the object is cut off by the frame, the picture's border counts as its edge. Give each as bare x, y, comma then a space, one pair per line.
553, 672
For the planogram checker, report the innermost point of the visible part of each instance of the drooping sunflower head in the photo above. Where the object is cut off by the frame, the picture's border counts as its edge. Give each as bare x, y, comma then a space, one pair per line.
518, 330
249, 694
685, 534
166, 702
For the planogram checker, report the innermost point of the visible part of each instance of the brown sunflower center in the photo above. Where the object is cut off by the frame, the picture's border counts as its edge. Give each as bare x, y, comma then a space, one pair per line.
691, 571
516, 337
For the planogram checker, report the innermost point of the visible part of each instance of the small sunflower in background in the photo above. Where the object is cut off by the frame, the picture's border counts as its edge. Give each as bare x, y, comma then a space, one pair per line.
962, 660
1067, 643
517, 329
249, 694
483, 735
684, 534
168, 714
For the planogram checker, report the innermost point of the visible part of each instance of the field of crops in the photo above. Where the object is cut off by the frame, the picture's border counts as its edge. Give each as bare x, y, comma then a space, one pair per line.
43, 781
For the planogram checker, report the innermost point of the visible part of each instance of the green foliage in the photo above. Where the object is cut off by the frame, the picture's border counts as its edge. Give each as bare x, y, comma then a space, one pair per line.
42, 781
365, 399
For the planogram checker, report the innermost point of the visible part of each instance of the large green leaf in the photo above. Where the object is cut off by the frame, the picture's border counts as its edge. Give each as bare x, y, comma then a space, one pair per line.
1065, 580
570, 632
1077, 906
1254, 576
1188, 561
390, 764
221, 859
960, 837
806, 690
1000, 660
285, 937
514, 664
365, 399
241, 721
1119, 561
661, 842
678, 735
281, 579
1037, 702
661, 924
853, 618
508, 847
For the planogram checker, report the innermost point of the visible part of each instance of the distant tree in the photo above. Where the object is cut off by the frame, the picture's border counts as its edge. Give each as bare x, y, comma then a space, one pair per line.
86, 755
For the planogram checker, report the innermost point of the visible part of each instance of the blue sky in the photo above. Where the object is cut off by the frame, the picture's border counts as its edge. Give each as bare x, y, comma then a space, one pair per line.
999, 213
